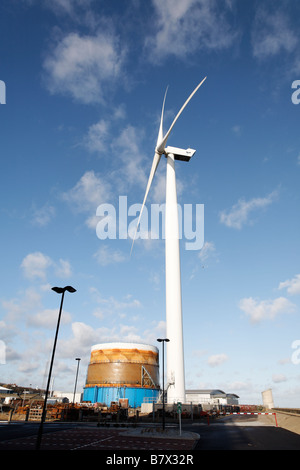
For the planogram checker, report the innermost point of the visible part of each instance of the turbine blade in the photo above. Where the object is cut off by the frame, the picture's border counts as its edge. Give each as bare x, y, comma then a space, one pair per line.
155, 163
161, 146
160, 132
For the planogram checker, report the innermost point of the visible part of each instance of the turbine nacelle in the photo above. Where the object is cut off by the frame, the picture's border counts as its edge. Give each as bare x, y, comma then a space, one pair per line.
180, 154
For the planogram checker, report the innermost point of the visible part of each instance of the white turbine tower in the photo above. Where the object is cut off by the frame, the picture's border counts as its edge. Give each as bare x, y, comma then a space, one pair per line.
174, 332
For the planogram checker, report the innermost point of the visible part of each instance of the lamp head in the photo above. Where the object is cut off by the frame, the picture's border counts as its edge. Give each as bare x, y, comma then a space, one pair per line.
60, 290
70, 289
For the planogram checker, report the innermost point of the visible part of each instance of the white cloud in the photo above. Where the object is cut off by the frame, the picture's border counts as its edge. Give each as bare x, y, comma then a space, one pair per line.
96, 139
63, 269
100, 136
217, 359
42, 216
111, 305
129, 333
186, 26
156, 330
239, 213
265, 309
92, 221
83, 337
35, 265
199, 353
19, 307
28, 367
272, 34
47, 318
292, 285
239, 386
84, 66
279, 378
125, 148
106, 256
90, 191
128, 146
84, 334
93, 189
68, 7
206, 251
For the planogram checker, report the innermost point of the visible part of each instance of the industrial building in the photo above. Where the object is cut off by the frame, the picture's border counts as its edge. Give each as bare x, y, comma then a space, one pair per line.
211, 397
66, 397
5, 391
122, 371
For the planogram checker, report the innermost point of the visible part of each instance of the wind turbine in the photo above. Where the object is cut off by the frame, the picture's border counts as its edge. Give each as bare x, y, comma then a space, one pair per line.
175, 354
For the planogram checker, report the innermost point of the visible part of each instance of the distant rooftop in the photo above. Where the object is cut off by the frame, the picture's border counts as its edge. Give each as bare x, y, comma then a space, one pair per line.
5, 390
214, 392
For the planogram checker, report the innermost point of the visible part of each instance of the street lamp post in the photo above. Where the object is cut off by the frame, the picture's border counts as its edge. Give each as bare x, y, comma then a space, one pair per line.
78, 361
163, 340
58, 290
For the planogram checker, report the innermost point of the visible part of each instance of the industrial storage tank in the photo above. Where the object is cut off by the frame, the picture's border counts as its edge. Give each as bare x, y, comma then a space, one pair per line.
267, 397
122, 371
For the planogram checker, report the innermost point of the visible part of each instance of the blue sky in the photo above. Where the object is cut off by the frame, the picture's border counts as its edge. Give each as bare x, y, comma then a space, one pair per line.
85, 82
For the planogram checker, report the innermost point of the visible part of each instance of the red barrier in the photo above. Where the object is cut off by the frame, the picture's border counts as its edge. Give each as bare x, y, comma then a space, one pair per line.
253, 413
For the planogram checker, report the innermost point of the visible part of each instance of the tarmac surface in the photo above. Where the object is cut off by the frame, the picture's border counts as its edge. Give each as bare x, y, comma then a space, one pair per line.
108, 439
247, 432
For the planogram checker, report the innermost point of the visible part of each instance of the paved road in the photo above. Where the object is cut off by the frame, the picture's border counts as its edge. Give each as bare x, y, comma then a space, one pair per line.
230, 433
89, 437
17, 429
245, 433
